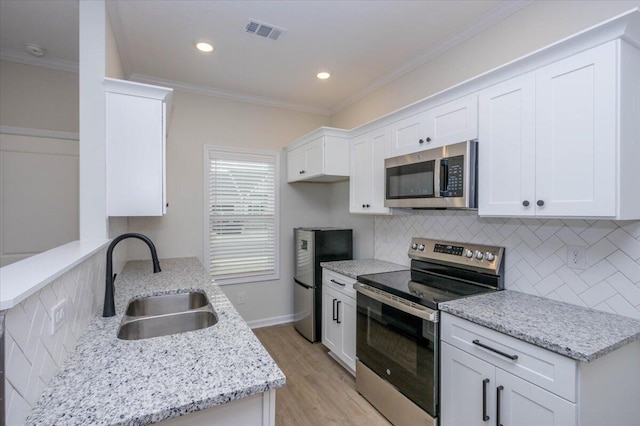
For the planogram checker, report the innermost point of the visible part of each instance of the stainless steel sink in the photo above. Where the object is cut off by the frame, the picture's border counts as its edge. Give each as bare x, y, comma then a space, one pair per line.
166, 314
166, 304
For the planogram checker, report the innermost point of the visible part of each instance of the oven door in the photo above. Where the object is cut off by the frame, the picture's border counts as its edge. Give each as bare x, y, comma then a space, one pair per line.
400, 347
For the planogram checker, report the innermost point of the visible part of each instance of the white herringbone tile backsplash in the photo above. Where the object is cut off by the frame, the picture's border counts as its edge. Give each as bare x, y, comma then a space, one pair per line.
32, 354
536, 253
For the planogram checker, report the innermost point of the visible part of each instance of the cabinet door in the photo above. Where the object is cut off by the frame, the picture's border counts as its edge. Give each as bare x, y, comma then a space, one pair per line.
467, 397
347, 318
380, 150
361, 172
295, 164
576, 135
407, 134
366, 187
135, 155
506, 168
453, 122
330, 328
525, 404
314, 158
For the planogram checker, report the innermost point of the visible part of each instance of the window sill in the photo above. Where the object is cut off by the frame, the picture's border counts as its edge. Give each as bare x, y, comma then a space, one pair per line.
22, 279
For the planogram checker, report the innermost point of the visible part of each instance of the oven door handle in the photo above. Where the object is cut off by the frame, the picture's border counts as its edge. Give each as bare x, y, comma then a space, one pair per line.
417, 311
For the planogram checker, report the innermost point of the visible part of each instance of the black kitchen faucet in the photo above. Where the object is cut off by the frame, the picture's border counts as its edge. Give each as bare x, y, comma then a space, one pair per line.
109, 305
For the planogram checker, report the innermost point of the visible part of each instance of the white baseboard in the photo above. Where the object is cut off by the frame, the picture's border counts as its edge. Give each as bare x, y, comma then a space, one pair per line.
266, 322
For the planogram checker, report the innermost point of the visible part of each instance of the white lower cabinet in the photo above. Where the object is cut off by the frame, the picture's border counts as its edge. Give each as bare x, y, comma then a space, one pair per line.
475, 392
482, 385
339, 318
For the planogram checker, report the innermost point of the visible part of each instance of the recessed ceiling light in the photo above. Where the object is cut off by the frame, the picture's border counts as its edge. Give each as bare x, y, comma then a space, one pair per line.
203, 46
323, 75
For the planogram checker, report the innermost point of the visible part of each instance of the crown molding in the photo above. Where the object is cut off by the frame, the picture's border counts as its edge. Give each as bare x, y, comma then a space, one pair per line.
39, 133
226, 94
45, 62
492, 17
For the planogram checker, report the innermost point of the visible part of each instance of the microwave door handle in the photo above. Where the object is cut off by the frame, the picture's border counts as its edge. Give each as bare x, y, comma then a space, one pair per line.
436, 178
444, 176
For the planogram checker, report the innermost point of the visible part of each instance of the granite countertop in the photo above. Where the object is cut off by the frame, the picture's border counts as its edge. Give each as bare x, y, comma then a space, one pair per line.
108, 381
583, 334
353, 268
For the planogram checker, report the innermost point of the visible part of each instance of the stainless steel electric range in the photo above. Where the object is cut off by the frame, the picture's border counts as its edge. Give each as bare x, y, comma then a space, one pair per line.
397, 339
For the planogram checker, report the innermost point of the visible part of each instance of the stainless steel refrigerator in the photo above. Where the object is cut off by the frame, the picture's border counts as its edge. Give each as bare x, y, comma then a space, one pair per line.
312, 246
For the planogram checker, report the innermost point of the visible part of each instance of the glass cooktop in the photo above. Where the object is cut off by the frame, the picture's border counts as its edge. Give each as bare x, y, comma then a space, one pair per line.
421, 287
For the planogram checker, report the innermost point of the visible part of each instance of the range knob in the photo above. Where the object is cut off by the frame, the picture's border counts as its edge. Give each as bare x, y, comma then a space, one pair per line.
468, 253
421, 247
414, 246
490, 256
479, 255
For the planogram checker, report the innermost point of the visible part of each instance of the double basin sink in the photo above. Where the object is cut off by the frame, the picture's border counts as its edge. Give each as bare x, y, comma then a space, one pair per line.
166, 314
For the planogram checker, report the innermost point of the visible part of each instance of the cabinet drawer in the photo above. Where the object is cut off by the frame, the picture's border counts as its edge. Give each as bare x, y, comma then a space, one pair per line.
539, 366
334, 280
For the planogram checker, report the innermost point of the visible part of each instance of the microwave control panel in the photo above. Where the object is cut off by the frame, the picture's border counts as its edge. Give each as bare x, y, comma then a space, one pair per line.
454, 177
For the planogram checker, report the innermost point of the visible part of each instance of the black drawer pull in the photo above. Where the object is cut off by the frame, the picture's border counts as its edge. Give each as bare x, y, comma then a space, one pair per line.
339, 283
485, 382
499, 389
338, 312
506, 355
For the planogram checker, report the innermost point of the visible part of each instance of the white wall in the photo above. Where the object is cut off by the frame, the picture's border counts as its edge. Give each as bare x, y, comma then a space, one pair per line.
38, 98
200, 120
39, 168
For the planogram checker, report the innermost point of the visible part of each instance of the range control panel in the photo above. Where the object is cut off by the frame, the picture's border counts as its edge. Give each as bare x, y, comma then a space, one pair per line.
476, 256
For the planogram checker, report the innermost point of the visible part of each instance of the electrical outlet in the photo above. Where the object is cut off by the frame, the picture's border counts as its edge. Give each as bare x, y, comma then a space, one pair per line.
242, 298
57, 315
576, 257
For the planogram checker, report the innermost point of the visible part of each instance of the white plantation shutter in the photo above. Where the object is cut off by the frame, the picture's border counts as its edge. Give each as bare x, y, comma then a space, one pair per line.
242, 214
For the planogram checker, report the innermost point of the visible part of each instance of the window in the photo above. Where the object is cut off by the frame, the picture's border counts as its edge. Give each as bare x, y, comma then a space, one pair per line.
241, 214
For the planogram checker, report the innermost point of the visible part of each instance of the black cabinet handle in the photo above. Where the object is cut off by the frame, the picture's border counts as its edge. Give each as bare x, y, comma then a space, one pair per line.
485, 382
335, 317
339, 283
540, 203
421, 141
498, 391
525, 203
367, 205
428, 139
363, 206
301, 171
338, 313
506, 355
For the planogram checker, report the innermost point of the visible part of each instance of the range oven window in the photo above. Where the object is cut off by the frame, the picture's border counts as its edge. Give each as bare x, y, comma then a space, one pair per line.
411, 181
400, 348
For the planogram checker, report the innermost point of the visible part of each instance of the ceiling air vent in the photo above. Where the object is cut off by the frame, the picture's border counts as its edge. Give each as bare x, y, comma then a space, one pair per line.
260, 29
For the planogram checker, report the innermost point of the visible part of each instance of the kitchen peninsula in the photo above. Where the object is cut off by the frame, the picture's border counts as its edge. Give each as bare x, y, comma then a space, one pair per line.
222, 369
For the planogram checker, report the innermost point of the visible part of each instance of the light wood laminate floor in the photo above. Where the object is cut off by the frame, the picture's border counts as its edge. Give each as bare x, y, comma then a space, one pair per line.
318, 390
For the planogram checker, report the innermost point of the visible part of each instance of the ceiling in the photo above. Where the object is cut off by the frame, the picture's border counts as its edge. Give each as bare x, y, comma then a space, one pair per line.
364, 44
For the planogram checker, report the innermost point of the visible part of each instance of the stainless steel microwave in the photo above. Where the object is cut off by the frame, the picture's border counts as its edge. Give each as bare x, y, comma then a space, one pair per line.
440, 178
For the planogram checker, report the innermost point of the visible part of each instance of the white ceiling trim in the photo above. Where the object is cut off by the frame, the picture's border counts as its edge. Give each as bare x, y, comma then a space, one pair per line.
492, 17
226, 94
39, 133
25, 58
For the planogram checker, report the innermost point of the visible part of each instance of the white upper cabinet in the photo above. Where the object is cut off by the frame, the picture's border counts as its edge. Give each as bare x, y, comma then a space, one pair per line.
506, 168
136, 137
452, 122
321, 156
550, 140
366, 185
